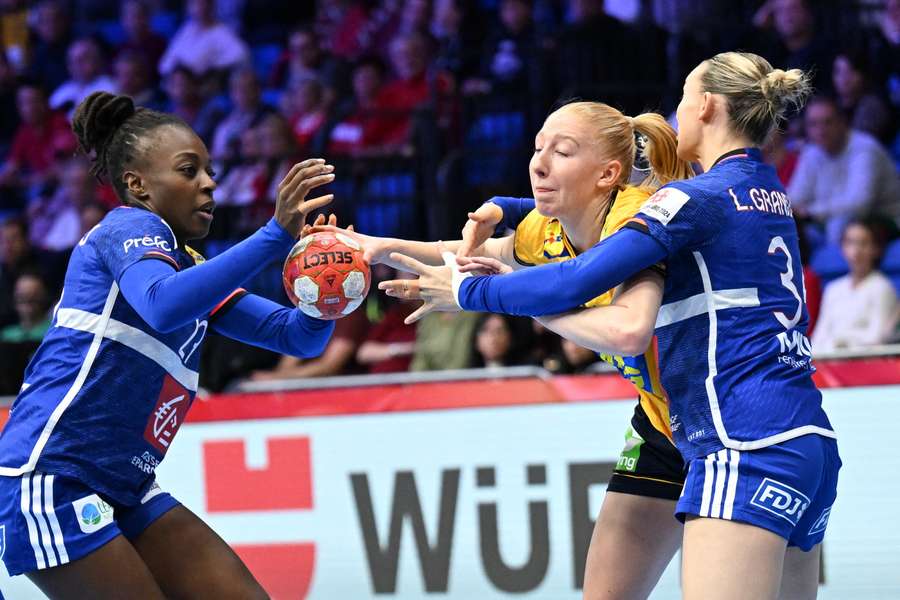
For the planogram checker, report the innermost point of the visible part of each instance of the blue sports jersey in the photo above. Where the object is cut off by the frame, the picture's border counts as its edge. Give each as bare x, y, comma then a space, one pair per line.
82, 412
737, 364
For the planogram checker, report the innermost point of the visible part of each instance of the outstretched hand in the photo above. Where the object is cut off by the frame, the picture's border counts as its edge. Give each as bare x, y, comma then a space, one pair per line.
479, 228
320, 225
375, 249
434, 286
291, 205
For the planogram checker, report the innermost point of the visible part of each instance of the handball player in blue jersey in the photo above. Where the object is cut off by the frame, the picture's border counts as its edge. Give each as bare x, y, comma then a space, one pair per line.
733, 353
116, 373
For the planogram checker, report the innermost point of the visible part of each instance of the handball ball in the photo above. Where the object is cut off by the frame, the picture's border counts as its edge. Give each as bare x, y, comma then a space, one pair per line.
325, 275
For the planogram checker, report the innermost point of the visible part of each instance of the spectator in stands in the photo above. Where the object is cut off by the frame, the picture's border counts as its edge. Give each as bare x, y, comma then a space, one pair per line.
500, 341
41, 139
133, 78
812, 283
247, 110
277, 149
390, 343
344, 28
86, 68
794, 42
55, 219
182, 86
458, 33
140, 39
884, 51
50, 44
511, 55
339, 357
444, 341
10, 121
593, 48
860, 308
306, 101
841, 172
411, 89
305, 58
204, 44
778, 154
244, 182
357, 119
91, 215
17, 257
14, 32
32, 305
865, 110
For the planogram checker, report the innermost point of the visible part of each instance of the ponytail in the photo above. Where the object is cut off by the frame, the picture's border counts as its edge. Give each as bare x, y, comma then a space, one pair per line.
660, 151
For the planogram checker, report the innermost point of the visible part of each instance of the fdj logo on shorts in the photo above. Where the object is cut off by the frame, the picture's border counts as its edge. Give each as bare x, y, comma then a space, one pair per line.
92, 513
781, 500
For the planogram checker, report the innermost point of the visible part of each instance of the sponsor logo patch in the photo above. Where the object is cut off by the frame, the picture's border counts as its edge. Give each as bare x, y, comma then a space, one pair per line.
93, 514
780, 500
665, 204
168, 415
821, 523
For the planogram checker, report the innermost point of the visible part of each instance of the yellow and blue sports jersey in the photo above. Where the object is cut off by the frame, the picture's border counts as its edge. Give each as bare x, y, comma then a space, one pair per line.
540, 240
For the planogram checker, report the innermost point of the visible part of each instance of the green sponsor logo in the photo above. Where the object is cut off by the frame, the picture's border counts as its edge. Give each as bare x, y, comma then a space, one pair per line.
631, 452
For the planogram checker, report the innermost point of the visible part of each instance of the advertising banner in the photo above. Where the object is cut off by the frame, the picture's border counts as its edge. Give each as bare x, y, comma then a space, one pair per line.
478, 503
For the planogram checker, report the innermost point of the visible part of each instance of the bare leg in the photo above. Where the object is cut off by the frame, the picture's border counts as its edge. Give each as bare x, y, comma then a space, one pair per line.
800, 580
190, 560
634, 540
726, 560
115, 571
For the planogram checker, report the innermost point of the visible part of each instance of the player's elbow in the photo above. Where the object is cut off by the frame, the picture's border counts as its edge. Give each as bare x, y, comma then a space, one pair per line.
633, 338
161, 321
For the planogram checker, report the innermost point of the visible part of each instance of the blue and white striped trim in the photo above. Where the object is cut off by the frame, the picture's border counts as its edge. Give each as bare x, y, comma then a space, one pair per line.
44, 531
712, 394
720, 479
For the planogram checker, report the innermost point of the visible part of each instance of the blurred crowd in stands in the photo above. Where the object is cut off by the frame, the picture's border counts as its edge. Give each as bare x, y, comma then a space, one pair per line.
428, 108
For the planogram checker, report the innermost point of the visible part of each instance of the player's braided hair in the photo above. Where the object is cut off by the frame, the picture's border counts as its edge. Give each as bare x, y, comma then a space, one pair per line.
110, 127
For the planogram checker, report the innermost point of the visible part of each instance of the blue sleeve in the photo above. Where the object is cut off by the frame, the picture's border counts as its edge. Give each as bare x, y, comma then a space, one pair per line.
557, 287
261, 322
678, 216
167, 299
514, 209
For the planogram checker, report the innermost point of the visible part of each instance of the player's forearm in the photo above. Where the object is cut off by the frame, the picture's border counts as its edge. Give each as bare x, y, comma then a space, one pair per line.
167, 300
426, 252
604, 329
263, 323
560, 287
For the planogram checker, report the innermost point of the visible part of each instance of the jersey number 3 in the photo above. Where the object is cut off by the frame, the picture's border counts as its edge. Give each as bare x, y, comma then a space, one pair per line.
787, 280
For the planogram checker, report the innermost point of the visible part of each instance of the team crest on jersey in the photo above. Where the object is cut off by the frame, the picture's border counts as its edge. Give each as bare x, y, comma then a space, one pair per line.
780, 500
665, 204
554, 241
168, 415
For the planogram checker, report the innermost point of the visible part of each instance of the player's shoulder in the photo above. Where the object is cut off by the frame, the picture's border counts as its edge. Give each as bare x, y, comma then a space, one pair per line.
140, 226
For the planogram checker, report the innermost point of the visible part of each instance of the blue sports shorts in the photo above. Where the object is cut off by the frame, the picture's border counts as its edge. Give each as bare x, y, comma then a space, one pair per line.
787, 488
48, 520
